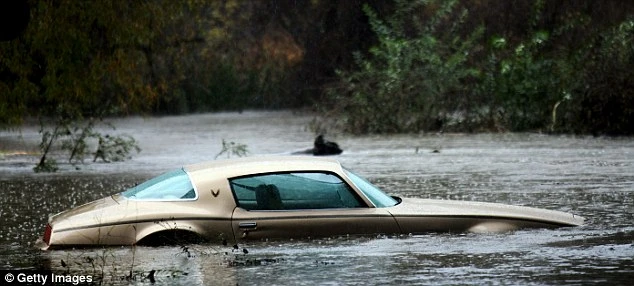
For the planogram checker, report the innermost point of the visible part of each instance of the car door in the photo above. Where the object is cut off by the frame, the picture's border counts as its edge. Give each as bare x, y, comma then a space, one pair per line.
303, 204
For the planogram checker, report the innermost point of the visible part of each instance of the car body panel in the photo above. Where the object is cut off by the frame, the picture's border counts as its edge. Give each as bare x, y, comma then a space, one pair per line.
312, 223
213, 213
119, 221
427, 215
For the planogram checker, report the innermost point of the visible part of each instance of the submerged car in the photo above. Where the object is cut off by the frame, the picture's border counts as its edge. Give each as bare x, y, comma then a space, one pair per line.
275, 197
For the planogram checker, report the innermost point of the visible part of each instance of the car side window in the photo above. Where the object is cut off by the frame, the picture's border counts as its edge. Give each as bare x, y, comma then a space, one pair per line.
293, 191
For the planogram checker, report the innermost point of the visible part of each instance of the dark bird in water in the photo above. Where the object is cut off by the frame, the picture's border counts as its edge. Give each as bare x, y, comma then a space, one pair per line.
150, 276
322, 147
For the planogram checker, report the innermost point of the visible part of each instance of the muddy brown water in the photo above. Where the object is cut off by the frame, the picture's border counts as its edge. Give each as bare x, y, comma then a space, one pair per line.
592, 177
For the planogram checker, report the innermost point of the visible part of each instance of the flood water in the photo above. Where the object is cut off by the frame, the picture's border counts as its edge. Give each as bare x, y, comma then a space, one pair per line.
592, 177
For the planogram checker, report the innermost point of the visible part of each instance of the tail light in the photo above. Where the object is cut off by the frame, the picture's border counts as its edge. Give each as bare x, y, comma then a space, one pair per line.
47, 233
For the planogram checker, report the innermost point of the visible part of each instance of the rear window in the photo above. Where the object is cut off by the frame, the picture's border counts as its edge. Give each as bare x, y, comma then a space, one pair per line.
174, 185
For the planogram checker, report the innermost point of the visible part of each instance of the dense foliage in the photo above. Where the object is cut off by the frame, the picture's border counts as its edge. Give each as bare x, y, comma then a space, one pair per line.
368, 65
444, 65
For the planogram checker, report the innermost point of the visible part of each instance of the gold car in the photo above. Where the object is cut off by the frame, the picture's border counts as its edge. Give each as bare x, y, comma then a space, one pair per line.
275, 197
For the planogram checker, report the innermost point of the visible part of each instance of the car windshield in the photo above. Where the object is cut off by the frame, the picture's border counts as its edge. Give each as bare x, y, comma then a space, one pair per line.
174, 185
378, 197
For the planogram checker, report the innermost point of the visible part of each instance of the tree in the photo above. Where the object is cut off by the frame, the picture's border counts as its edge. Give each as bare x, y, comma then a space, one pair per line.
409, 80
78, 62
551, 66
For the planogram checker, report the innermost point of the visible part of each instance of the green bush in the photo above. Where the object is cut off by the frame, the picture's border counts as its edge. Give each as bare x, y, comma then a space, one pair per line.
606, 100
74, 135
223, 89
433, 69
410, 79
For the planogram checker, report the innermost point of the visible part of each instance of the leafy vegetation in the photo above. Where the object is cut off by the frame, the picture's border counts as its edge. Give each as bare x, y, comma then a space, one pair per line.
407, 83
440, 67
75, 138
369, 66
605, 99
233, 149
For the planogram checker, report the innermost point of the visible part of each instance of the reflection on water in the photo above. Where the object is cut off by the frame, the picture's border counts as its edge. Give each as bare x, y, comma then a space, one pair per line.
593, 177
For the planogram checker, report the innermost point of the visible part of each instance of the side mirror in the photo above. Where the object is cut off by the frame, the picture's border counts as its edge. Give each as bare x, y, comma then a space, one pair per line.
399, 200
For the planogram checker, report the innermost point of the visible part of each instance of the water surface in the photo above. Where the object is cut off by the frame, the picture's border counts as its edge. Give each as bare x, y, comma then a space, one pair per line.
592, 177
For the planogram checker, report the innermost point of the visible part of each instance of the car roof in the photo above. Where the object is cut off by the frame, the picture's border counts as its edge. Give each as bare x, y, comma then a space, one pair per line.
264, 164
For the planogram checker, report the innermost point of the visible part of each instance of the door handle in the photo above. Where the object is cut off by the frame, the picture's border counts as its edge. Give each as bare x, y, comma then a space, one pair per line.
248, 225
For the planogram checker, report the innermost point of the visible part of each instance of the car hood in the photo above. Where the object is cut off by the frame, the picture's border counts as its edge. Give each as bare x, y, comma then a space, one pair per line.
454, 208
